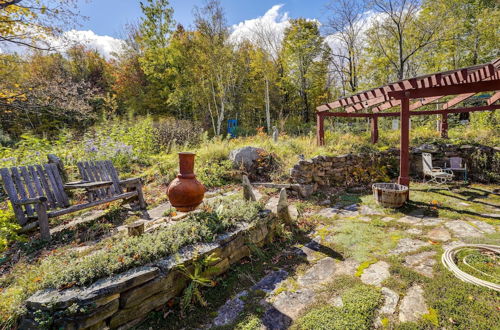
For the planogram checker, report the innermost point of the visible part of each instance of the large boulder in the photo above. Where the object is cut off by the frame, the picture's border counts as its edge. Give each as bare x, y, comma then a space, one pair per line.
256, 163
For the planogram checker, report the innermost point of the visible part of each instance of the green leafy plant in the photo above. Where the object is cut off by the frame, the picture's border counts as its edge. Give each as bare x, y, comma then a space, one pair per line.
8, 228
200, 276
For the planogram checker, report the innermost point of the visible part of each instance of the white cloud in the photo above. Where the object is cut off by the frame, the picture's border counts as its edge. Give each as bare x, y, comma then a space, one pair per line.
267, 30
105, 45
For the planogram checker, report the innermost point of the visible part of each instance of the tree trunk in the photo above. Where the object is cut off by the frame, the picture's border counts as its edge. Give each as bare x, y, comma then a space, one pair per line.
268, 108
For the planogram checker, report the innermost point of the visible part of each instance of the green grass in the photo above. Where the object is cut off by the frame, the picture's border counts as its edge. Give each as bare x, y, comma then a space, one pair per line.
360, 303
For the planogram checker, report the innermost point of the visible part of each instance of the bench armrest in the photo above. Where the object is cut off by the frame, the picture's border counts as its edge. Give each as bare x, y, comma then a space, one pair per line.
88, 185
28, 201
130, 182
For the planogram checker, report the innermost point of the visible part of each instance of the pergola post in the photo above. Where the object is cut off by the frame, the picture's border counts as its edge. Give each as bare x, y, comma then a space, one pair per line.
374, 128
404, 161
320, 128
444, 125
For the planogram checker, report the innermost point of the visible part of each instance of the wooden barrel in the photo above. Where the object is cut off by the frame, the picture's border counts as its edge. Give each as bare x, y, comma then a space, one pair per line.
390, 194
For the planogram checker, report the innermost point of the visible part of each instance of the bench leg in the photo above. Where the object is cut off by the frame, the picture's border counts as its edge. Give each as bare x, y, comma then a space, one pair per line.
43, 220
140, 196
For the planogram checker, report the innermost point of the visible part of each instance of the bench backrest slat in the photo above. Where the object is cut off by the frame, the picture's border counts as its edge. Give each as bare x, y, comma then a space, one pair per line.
21, 190
46, 187
57, 186
102, 170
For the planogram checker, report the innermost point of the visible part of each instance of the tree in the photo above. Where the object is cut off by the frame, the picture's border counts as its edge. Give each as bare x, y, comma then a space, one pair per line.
154, 33
400, 34
303, 47
35, 23
345, 26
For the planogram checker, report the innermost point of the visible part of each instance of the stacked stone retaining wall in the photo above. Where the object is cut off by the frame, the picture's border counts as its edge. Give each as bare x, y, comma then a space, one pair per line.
483, 165
124, 300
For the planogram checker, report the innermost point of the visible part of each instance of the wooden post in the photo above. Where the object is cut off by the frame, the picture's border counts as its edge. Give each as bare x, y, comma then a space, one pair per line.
43, 219
53, 159
444, 125
320, 128
404, 162
374, 128
136, 228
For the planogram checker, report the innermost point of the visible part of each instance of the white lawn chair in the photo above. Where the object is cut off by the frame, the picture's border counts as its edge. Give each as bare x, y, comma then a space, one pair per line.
457, 164
438, 175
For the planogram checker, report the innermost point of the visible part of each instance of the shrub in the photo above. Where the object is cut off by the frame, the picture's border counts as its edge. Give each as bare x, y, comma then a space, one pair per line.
8, 228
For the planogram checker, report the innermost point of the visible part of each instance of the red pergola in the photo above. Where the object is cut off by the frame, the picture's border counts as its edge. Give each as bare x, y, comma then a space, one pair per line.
412, 94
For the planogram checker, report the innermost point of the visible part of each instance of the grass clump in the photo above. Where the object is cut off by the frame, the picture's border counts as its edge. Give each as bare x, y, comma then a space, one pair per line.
118, 254
358, 312
362, 241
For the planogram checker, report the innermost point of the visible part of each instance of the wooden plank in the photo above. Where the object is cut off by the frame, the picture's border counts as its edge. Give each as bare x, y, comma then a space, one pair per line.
53, 183
106, 176
21, 190
114, 176
80, 207
29, 182
43, 220
92, 177
60, 183
36, 181
83, 173
46, 187
10, 188
98, 177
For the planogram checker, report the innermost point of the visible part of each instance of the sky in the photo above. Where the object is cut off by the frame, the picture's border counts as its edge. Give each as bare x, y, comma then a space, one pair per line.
108, 17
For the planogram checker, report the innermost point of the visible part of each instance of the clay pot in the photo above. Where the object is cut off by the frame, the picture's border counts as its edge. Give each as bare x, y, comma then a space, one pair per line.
185, 192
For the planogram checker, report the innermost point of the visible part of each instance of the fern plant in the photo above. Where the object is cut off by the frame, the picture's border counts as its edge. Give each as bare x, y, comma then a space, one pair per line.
201, 276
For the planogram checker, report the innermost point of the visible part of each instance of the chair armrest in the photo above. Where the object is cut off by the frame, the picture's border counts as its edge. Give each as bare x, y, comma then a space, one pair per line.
89, 185
28, 201
130, 182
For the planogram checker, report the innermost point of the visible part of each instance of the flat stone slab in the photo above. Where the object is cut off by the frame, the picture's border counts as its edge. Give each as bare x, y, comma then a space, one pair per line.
366, 210
423, 263
483, 226
270, 281
346, 267
322, 271
336, 301
391, 300
431, 222
291, 304
331, 212
410, 220
452, 244
439, 234
159, 211
413, 305
230, 311
376, 273
462, 229
406, 245
387, 219
414, 231
309, 251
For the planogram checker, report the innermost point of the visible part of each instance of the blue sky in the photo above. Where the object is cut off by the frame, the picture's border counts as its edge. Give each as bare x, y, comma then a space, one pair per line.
107, 17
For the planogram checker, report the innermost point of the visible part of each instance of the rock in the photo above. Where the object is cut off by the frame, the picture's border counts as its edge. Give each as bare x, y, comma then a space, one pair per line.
291, 304
159, 211
452, 245
406, 245
430, 222
462, 229
410, 220
366, 210
275, 320
230, 311
483, 226
248, 193
387, 219
346, 267
391, 299
413, 305
271, 281
282, 208
276, 134
309, 251
336, 301
127, 315
423, 263
414, 231
320, 272
439, 234
245, 157
376, 273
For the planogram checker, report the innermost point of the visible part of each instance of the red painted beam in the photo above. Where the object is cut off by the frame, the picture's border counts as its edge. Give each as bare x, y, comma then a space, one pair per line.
457, 100
320, 128
495, 97
476, 87
374, 129
404, 163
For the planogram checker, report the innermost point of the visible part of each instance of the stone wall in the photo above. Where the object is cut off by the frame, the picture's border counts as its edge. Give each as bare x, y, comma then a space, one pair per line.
364, 168
122, 301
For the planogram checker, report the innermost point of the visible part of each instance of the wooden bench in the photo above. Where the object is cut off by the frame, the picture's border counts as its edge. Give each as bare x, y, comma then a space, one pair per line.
38, 192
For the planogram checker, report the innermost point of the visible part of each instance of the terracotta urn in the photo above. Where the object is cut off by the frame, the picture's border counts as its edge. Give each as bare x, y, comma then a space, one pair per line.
185, 192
